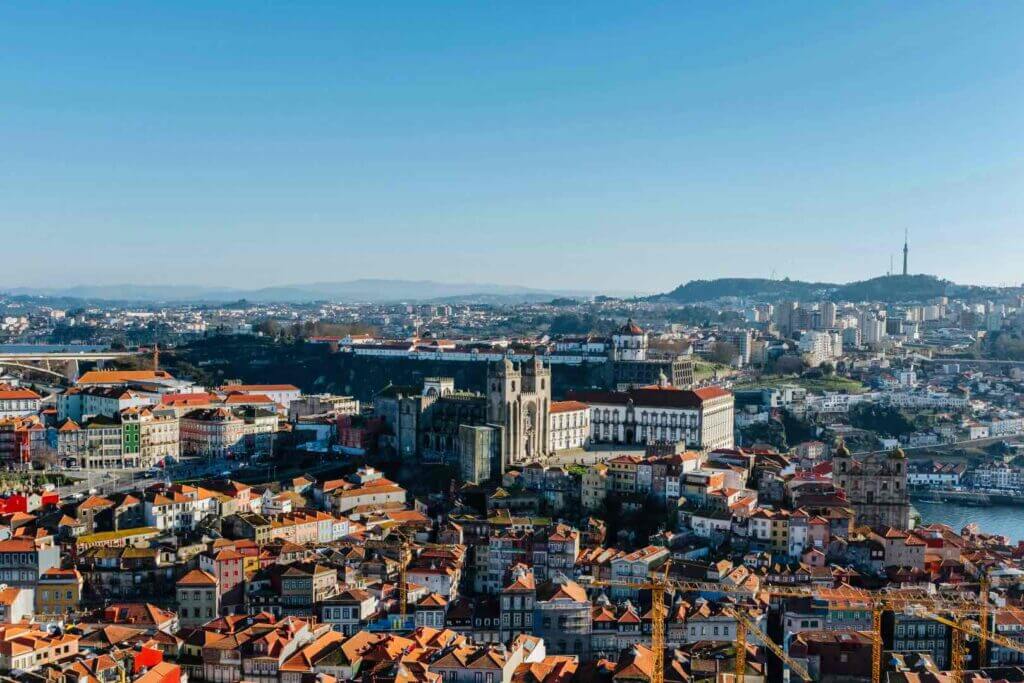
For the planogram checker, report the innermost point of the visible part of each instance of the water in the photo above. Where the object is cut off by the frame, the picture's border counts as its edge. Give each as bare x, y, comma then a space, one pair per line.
1006, 520
51, 348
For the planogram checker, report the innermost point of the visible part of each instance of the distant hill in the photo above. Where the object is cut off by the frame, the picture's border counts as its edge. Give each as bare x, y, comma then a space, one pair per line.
890, 288
364, 290
696, 291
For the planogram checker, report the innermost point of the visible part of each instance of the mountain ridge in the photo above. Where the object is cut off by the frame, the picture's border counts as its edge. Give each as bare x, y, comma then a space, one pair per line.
369, 290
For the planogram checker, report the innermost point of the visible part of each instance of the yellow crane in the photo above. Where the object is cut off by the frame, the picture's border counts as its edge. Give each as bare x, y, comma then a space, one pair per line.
925, 605
960, 626
403, 581
657, 585
879, 602
913, 601
404, 558
744, 627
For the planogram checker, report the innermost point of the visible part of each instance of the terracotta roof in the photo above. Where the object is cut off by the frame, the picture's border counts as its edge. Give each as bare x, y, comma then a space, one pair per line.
197, 577
15, 394
566, 406
95, 502
194, 399
669, 397
630, 328
432, 600
121, 376
228, 388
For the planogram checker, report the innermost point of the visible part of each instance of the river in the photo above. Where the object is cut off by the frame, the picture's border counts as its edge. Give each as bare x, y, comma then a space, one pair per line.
1006, 520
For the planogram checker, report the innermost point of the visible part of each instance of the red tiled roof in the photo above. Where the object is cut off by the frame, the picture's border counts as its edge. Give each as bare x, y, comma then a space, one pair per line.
197, 577
567, 406
15, 394
229, 388
121, 376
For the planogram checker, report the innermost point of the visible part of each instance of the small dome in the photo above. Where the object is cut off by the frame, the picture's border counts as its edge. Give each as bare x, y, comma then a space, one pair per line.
631, 328
841, 450
897, 454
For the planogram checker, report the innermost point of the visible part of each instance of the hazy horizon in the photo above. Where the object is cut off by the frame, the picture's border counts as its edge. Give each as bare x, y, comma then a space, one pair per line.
601, 147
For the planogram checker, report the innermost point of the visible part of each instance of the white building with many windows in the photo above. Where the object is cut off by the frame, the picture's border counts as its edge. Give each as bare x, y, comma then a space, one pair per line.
18, 402
569, 425
700, 418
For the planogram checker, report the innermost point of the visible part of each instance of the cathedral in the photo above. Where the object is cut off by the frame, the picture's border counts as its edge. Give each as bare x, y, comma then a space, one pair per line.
519, 399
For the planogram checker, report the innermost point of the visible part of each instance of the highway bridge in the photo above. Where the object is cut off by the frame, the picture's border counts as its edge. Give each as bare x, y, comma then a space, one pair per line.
66, 361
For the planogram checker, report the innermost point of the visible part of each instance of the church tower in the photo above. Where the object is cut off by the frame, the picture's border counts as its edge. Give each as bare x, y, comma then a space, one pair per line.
504, 382
519, 400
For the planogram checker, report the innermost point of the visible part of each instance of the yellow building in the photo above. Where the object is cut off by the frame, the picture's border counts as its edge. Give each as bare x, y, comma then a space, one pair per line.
59, 592
780, 530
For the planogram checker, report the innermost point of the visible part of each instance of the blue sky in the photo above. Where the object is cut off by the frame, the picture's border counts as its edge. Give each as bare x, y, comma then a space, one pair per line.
576, 145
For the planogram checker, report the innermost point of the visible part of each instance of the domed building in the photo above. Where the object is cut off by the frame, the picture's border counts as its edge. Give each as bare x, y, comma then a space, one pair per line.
629, 342
875, 486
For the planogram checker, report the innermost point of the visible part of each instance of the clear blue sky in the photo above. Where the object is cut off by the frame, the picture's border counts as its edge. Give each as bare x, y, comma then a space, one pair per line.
620, 145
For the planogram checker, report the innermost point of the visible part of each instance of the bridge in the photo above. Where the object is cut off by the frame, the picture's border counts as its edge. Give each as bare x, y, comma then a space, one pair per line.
67, 360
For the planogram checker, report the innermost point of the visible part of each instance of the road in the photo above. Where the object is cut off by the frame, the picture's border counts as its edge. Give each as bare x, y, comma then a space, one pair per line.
117, 481
955, 445
120, 481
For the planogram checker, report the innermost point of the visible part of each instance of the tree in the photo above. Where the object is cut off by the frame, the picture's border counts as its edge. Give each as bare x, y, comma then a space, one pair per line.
771, 432
44, 457
885, 420
724, 353
570, 323
797, 430
268, 327
789, 365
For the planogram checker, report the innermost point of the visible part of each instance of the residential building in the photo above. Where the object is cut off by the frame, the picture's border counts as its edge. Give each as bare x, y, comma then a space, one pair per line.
198, 595
58, 593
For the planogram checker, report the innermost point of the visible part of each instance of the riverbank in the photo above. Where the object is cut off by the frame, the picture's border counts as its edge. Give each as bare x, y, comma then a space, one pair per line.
1004, 520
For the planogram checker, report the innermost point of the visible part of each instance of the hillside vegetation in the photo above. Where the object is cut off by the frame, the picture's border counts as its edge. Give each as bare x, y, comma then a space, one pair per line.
890, 288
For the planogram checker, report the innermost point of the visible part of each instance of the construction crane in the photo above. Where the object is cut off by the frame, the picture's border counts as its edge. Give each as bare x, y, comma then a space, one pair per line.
744, 627
962, 626
404, 558
928, 606
983, 615
658, 585
403, 564
403, 581
919, 602
879, 602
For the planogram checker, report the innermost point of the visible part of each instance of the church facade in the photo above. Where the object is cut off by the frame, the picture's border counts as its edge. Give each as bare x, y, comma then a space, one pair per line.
876, 487
519, 399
